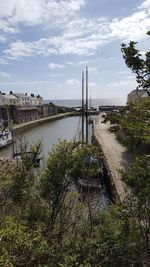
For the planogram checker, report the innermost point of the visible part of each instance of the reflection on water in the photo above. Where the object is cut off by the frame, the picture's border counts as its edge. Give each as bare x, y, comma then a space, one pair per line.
50, 134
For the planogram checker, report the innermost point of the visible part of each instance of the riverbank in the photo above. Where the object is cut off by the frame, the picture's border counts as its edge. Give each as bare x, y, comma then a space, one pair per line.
24, 126
115, 154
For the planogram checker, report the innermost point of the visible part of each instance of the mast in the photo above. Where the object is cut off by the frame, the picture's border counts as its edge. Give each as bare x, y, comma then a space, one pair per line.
82, 106
86, 104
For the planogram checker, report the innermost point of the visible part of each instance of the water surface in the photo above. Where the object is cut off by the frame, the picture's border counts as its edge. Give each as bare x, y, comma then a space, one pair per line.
49, 133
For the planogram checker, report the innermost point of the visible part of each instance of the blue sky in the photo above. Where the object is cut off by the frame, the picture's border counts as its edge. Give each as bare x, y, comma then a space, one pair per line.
45, 45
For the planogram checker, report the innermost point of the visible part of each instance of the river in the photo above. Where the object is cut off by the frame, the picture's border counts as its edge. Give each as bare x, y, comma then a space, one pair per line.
49, 133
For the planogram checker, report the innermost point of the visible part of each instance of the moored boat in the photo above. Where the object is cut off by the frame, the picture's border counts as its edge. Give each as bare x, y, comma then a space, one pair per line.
5, 138
93, 184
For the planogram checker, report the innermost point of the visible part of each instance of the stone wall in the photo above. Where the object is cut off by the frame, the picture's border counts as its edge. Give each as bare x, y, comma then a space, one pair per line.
17, 114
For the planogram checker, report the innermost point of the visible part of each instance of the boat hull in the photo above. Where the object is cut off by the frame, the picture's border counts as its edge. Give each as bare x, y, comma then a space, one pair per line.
5, 144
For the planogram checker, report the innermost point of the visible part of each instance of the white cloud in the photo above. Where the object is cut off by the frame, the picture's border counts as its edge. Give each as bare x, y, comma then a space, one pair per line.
145, 4
26, 83
54, 66
79, 27
77, 35
92, 84
4, 75
56, 75
6, 28
19, 49
2, 39
124, 83
85, 62
130, 28
3, 61
35, 12
93, 70
73, 82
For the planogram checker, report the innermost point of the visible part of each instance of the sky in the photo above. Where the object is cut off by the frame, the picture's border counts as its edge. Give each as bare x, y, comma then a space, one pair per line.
46, 44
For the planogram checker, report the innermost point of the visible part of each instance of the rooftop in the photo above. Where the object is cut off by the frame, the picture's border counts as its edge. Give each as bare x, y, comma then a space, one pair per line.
140, 92
9, 96
20, 95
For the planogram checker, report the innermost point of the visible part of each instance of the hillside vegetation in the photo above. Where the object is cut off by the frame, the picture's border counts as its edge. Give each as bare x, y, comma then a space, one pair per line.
43, 223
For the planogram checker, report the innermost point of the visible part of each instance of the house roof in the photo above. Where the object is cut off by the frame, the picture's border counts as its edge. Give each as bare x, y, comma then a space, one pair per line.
141, 93
11, 97
21, 95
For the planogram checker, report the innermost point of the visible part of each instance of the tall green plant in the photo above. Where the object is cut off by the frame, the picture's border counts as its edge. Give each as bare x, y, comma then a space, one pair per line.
138, 65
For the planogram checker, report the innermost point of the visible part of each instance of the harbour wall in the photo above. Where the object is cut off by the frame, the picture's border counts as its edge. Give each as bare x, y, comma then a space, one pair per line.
115, 154
109, 108
109, 181
25, 126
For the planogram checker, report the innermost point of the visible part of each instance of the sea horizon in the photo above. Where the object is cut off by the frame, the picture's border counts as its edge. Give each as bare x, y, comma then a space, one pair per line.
94, 102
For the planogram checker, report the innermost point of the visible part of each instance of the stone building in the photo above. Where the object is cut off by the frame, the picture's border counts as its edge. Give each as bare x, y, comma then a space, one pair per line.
18, 108
137, 96
24, 114
26, 100
20, 114
6, 115
36, 100
8, 100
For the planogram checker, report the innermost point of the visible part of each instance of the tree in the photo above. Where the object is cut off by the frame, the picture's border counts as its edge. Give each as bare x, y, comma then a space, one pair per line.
137, 177
133, 121
56, 179
120, 234
67, 163
138, 65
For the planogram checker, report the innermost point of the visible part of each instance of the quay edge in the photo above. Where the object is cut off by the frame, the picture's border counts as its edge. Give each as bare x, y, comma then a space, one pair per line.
24, 126
111, 188
115, 154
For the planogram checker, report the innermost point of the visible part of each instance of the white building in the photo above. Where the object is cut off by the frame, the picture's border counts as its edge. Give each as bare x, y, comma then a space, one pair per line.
20, 99
25, 100
9, 100
36, 100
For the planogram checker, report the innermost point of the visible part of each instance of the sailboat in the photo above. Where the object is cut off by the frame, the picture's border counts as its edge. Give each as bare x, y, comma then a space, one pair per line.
85, 108
89, 183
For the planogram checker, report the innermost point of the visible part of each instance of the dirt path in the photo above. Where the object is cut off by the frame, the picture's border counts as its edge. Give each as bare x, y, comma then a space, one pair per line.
116, 154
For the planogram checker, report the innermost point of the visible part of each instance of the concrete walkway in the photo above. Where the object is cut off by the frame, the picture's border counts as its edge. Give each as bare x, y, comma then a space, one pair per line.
116, 155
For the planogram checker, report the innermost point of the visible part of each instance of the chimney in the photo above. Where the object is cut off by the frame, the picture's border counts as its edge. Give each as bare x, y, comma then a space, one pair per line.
25, 93
11, 93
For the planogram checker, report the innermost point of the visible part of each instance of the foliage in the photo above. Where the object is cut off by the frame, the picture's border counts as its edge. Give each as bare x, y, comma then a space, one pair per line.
66, 163
137, 178
134, 122
138, 65
19, 245
43, 223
